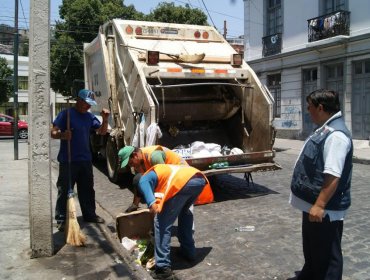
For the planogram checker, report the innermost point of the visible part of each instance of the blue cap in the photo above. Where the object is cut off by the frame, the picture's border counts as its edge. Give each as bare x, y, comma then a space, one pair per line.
88, 96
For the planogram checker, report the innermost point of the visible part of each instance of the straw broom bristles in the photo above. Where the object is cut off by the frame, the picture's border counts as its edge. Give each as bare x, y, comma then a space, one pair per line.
74, 235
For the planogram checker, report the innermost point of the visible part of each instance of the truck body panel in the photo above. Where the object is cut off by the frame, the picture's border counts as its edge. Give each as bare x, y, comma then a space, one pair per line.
194, 91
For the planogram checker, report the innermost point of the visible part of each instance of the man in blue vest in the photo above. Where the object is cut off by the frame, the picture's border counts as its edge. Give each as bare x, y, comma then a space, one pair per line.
321, 186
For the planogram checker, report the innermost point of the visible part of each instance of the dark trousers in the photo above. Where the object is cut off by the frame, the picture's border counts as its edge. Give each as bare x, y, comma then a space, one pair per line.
82, 176
322, 249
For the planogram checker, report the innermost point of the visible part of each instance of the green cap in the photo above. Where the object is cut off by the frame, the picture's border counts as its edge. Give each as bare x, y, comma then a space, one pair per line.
125, 154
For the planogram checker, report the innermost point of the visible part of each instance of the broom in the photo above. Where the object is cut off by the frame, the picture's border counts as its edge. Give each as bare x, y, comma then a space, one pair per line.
74, 235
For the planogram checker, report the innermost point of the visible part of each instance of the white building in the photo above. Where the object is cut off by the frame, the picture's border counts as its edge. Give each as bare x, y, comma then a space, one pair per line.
57, 101
297, 46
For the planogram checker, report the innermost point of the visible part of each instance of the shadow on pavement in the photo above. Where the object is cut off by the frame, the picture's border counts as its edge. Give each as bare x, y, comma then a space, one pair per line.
179, 263
228, 187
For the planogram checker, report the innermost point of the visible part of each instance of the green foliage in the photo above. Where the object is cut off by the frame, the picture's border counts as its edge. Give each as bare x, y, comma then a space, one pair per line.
6, 83
168, 12
80, 23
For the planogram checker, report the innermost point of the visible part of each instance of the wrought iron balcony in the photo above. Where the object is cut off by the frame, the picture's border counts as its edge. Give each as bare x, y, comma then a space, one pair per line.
271, 44
329, 25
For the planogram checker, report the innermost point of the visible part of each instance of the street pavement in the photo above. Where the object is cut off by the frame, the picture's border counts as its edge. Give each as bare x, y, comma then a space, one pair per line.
272, 251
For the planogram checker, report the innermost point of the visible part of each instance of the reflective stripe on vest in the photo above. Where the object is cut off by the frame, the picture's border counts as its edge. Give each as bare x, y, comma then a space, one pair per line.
174, 170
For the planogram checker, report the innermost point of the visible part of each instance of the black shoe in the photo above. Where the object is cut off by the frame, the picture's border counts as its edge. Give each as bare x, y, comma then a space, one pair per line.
96, 219
61, 226
162, 273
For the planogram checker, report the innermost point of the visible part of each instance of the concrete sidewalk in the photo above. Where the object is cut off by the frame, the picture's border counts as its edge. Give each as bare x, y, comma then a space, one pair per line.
98, 260
102, 258
361, 152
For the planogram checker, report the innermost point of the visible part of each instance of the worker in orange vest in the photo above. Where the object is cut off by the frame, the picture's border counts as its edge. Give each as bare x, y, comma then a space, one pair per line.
142, 159
169, 190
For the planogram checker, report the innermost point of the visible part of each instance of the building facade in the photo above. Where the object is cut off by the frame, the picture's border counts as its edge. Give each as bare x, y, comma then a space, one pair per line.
297, 46
57, 101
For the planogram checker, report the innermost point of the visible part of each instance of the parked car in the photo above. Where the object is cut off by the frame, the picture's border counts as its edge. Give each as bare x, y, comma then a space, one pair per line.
7, 127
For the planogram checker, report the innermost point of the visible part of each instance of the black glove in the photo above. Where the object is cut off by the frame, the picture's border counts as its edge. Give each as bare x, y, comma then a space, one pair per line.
131, 208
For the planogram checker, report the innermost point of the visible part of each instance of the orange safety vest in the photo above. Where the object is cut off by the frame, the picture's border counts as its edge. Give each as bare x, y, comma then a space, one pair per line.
172, 178
171, 156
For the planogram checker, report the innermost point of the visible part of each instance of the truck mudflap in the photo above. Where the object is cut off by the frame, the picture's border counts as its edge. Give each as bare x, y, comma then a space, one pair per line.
239, 163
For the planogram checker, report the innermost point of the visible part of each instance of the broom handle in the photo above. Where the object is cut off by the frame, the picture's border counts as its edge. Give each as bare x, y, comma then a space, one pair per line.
69, 151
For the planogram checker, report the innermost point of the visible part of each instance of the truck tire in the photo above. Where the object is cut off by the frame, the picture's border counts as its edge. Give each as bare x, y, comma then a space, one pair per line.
94, 153
112, 160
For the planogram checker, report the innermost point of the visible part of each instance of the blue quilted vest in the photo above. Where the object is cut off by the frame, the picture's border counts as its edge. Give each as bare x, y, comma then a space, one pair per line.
308, 176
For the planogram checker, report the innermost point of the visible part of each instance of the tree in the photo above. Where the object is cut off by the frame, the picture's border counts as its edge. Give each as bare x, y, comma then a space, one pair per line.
168, 12
80, 23
6, 84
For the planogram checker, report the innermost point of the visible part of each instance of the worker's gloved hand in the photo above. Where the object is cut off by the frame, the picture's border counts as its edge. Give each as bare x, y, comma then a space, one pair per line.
131, 208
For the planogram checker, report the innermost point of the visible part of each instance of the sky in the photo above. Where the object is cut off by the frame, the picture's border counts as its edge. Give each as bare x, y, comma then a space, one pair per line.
218, 11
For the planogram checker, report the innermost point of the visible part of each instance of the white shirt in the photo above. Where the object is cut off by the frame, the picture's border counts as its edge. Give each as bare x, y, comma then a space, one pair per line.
336, 148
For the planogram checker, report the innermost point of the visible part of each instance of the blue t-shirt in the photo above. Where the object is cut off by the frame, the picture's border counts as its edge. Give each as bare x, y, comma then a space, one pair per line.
81, 125
147, 185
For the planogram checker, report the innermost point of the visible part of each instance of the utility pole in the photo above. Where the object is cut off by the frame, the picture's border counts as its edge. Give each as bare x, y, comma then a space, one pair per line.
15, 82
39, 165
225, 30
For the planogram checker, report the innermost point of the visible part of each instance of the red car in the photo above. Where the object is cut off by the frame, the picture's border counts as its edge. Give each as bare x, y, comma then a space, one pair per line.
7, 129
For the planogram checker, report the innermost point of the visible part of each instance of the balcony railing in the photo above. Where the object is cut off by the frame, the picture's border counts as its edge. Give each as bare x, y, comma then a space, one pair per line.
328, 25
271, 44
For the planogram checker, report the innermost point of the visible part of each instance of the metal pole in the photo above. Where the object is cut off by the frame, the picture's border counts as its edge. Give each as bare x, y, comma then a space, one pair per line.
15, 82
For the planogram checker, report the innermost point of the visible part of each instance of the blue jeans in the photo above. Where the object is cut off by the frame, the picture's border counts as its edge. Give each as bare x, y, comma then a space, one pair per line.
177, 207
82, 175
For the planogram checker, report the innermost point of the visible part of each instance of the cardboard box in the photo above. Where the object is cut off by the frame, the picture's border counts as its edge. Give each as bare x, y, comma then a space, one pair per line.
134, 225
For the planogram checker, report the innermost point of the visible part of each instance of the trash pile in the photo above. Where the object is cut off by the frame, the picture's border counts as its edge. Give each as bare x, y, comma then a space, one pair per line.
141, 249
199, 149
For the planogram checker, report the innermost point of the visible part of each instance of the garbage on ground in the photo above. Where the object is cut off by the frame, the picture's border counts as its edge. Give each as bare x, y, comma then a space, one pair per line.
135, 230
141, 249
128, 243
245, 228
144, 251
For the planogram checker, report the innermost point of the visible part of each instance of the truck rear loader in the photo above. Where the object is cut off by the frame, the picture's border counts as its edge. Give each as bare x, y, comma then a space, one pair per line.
175, 85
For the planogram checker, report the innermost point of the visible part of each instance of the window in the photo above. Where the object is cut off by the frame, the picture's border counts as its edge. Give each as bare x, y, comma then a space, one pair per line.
274, 17
23, 82
362, 67
334, 71
310, 75
274, 85
330, 6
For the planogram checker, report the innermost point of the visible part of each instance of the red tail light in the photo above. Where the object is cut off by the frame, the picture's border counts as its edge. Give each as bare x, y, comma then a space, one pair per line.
197, 34
139, 30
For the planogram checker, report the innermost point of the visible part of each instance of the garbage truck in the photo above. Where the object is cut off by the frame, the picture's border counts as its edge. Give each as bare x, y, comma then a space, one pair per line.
181, 86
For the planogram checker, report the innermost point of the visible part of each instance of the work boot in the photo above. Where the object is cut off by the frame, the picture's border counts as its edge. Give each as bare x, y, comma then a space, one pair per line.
96, 219
61, 225
162, 273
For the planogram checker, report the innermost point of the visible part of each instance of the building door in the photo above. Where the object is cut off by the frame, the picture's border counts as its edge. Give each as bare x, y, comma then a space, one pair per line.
361, 100
309, 85
334, 80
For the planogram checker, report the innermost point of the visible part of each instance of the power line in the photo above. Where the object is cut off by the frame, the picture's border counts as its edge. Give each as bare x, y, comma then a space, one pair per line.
209, 15
23, 13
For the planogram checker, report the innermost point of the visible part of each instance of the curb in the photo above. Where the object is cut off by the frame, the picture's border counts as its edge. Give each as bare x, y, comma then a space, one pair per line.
137, 271
354, 158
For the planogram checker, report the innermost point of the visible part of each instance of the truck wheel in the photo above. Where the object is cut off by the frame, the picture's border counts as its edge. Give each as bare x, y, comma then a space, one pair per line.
94, 152
112, 161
